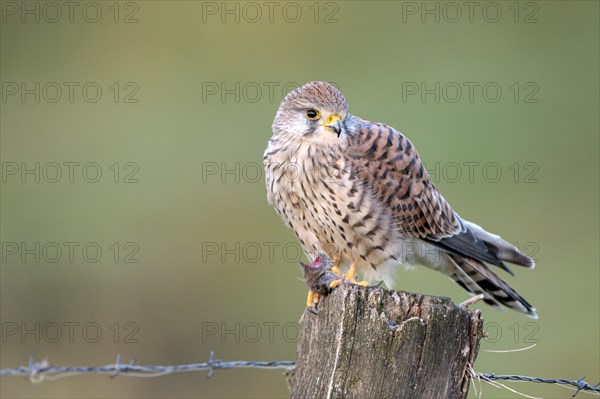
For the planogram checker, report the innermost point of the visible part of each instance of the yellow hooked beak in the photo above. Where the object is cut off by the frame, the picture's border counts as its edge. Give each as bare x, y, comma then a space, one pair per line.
334, 122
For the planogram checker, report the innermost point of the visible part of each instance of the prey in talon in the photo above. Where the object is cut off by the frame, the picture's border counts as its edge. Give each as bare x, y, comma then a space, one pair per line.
319, 277
322, 276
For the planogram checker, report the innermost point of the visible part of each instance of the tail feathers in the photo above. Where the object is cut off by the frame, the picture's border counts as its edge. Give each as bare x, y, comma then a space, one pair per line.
475, 277
502, 249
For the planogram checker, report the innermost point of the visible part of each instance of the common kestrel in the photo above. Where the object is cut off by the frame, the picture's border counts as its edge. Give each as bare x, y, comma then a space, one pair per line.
358, 191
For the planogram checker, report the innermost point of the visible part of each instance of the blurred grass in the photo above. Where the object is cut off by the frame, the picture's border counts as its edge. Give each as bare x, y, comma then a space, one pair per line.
171, 133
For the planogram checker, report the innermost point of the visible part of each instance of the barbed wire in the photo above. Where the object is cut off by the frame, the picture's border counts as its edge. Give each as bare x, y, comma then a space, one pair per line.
580, 384
40, 371
37, 372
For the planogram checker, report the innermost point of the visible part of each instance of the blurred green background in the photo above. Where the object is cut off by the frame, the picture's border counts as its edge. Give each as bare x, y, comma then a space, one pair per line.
216, 269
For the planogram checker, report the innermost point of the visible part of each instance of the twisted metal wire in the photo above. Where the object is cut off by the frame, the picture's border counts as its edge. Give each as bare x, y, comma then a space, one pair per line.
39, 371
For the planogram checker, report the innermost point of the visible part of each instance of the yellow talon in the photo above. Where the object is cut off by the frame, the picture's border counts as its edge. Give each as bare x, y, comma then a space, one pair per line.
313, 299
351, 274
335, 283
351, 277
348, 278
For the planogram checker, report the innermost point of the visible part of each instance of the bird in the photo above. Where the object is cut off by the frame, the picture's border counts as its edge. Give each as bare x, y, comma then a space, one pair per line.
358, 192
318, 276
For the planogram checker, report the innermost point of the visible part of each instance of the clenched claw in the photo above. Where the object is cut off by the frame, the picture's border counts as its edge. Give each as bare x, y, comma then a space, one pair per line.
323, 275
320, 274
337, 271
375, 285
336, 283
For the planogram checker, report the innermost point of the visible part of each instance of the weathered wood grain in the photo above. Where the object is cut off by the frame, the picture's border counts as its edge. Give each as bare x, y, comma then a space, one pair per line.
374, 343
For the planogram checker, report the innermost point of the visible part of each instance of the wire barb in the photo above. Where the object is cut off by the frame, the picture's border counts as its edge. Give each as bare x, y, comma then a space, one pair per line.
38, 371
580, 384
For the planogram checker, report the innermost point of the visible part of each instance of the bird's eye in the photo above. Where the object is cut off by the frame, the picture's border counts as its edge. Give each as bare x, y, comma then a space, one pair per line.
312, 114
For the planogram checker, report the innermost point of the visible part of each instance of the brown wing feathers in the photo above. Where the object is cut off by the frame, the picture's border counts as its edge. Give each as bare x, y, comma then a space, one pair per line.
388, 160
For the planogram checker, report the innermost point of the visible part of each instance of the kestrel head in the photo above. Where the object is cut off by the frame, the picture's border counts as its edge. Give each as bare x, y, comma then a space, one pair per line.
316, 111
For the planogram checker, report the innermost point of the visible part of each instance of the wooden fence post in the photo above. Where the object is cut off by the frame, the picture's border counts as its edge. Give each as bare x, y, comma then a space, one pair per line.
374, 343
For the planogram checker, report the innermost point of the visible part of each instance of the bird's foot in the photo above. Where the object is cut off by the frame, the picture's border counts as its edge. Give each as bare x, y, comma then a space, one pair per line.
363, 283
322, 278
337, 271
348, 278
345, 280
336, 283
312, 301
